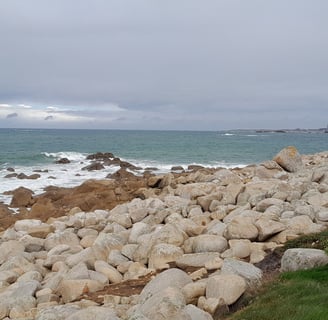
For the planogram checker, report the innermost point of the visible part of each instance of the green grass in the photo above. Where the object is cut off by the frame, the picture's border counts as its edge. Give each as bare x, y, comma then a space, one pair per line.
300, 295
315, 241
296, 295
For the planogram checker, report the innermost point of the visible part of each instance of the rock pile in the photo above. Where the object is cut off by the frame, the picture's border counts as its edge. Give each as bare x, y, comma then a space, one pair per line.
197, 235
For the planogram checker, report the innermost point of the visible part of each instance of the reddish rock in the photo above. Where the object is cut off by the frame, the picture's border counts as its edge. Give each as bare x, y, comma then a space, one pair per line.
42, 209
94, 166
22, 197
100, 156
121, 174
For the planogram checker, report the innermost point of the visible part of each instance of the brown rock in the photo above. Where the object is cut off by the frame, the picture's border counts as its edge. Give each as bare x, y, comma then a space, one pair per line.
121, 174
195, 167
42, 209
31, 177
100, 156
63, 161
40, 231
94, 166
6, 217
89, 196
177, 168
11, 175
22, 197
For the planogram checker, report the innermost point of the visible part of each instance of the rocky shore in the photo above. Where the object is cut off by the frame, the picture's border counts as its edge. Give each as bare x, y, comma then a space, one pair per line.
174, 246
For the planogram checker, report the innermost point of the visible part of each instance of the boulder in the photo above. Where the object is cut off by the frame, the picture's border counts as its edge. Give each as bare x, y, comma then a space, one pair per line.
8, 276
303, 225
289, 159
241, 228
18, 294
109, 271
30, 177
169, 278
197, 260
193, 290
63, 161
163, 253
196, 314
268, 202
70, 290
251, 274
61, 312
116, 258
86, 256
136, 270
26, 224
40, 231
301, 259
138, 229
268, 228
22, 197
91, 313
226, 288
65, 237
322, 216
170, 234
10, 249
32, 244
165, 304
94, 166
238, 249
106, 242
209, 243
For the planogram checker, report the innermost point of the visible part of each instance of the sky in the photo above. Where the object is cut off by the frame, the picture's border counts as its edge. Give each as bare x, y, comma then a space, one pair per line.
167, 65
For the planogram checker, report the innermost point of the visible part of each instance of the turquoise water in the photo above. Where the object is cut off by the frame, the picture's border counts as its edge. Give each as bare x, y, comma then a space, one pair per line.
29, 147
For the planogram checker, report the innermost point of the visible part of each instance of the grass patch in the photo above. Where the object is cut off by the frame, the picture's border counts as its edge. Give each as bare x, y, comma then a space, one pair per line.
296, 295
314, 241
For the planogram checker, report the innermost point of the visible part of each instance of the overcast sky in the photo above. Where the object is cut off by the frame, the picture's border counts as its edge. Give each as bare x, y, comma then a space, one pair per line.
164, 64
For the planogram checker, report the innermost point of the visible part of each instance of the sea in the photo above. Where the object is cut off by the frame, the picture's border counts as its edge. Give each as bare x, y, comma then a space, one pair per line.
27, 150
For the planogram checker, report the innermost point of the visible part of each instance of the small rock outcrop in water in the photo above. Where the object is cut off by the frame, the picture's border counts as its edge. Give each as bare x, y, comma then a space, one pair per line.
63, 161
186, 250
94, 166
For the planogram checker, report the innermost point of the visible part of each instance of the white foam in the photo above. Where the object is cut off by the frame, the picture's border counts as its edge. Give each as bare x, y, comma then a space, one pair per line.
60, 175
70, 155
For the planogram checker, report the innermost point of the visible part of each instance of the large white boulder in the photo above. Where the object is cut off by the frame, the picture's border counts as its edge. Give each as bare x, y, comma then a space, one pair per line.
289, 159
166, 304
209, 243
227, 288
163, 253
301, 258
169, 278
249, 272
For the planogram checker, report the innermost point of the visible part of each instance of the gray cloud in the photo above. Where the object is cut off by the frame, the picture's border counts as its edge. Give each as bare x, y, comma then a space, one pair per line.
49, 118
187, 64
12, 115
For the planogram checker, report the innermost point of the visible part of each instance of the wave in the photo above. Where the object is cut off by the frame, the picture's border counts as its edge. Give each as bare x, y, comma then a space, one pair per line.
70, 155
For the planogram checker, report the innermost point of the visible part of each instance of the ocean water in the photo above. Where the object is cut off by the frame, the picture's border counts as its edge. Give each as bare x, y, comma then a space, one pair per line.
27, 150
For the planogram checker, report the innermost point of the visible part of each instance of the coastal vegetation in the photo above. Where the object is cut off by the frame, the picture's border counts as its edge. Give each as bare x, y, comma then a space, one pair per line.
301, 294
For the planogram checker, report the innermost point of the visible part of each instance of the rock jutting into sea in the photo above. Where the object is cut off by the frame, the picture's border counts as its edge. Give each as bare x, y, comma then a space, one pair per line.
181, 245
